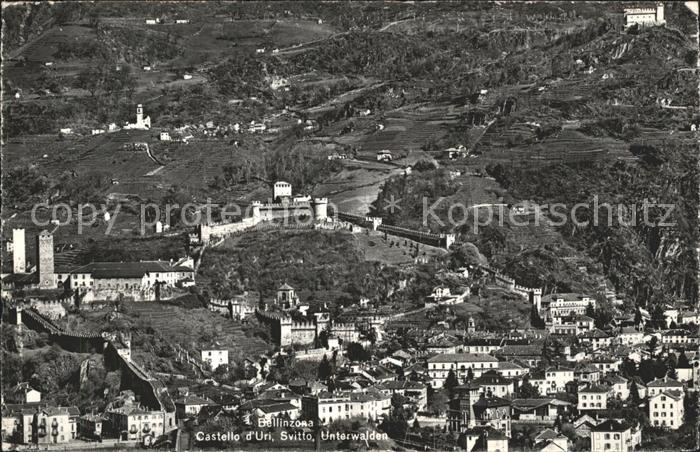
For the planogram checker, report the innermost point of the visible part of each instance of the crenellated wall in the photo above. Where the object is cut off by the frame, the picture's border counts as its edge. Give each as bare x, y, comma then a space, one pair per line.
532, 294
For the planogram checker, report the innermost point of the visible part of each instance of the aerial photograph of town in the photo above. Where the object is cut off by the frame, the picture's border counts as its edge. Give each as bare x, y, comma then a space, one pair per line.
350, 225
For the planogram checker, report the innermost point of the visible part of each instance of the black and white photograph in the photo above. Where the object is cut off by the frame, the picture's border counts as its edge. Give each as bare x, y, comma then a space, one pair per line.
350, 226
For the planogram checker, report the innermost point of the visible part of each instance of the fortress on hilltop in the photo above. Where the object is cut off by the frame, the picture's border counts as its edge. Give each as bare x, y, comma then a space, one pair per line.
282, 206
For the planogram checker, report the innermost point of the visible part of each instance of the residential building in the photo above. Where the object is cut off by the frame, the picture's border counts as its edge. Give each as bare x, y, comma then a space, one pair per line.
439, 366
666, 409
662, 385
492, 383
190, 405
629, 335
593, 397
557, 377
215, 358
612, 435
596, 338
132, 423
413, 390
511, 370
328, 407
550, 441
541, 409
23, 393
618, 386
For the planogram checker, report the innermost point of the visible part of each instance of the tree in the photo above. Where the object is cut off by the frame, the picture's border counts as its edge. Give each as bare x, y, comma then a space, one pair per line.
356, 352
451, 381
652, 344
470, 375
634, 394
672, 373
396, 424
324, 369
658, 319
683, 362
527, 390
535, 319
638, 320
590, 310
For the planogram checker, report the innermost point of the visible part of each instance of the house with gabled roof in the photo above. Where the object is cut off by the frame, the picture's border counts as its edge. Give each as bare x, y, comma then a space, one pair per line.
663, 384
539, 409
615, 435
550, 441
666, 409
593, 397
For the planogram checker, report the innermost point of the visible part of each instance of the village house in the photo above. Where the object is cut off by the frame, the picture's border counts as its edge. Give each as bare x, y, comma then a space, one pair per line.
90, 426
328, 407
678, 337
22, 393
612, 435
586, 373
190, 405
606, 364
215, 358
664, 384
596, 338
619, 386
511, 370
540, 409
666, 409
133, 423
593, 397
274, 410
551, 441
415, 391
629, 336
528, 354
492, 383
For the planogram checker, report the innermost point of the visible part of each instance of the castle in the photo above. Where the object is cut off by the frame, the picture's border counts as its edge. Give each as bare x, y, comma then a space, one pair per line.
645, 16
283, 205
145, 280
287, 331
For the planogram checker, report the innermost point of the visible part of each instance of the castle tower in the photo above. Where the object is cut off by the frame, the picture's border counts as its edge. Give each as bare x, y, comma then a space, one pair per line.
44, 260
285, 331
471, 325
537, 299
256, 205
320, 209
281, 190
19, 258
139, 115
660, 19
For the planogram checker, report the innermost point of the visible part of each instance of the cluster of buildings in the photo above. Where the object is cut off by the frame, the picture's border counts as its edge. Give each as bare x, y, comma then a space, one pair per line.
97, 281
645, 16
29, 421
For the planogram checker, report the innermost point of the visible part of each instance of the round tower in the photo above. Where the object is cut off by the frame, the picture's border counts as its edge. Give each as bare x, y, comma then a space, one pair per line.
320, 209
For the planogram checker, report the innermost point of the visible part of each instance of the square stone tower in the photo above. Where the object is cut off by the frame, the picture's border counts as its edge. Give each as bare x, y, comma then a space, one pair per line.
19, 257
44, 260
